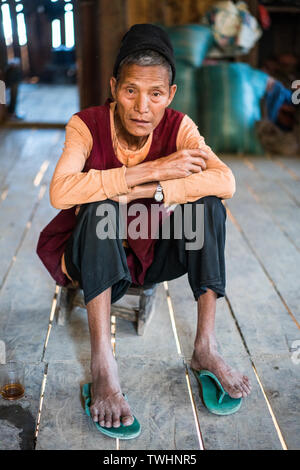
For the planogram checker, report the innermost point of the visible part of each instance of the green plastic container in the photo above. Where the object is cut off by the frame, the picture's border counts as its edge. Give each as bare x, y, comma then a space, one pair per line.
185, 99
229, 105
191, 42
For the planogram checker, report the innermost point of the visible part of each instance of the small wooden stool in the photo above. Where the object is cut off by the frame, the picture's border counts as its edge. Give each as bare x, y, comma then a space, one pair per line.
69, 297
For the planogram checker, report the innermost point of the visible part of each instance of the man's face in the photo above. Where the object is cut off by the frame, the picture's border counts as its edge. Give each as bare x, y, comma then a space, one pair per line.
142, 95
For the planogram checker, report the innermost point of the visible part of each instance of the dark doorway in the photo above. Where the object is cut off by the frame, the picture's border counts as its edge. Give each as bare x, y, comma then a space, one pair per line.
39, 67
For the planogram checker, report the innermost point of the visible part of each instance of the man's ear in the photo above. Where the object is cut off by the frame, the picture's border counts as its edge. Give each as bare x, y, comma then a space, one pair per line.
113, 87
173, 89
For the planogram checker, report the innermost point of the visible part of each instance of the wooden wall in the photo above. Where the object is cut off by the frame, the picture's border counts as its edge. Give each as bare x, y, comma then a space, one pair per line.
168, 12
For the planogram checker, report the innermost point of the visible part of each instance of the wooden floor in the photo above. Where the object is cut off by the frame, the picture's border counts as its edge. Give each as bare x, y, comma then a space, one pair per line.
257, 323
60, 102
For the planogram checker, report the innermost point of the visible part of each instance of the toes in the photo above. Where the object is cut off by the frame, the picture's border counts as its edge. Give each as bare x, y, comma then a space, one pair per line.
112, 414
101, 418
239, 390
235, 391
236, 394
127, 420
240, 387
116, 420
94, 413
246, 388
108, 420
247, 383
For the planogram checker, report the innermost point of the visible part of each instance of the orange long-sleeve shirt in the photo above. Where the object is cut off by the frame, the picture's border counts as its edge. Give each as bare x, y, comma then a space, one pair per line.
70, 186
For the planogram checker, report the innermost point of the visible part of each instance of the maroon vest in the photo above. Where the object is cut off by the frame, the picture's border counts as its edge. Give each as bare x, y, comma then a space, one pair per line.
54, 236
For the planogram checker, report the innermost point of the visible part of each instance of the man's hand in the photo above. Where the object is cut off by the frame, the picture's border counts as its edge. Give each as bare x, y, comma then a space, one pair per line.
177, 165
137, 192
180, 164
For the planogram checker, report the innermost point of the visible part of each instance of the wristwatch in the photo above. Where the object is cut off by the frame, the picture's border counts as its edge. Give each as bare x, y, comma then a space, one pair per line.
159, 195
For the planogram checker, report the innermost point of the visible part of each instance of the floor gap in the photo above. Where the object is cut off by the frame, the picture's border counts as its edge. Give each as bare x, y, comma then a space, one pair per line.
40, 405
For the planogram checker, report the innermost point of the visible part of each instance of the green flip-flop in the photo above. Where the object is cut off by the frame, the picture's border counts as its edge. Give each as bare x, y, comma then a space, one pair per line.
122, 432
214, 397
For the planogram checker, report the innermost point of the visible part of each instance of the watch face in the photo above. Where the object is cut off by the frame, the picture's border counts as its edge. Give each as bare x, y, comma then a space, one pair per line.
159, 197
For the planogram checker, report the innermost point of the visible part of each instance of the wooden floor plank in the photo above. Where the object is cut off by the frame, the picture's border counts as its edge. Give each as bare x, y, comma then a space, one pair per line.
64, 424
16, 209
284, 211
261, 315
18, 418
25, 300
153, 343
274, 250
228, 432
281, 379
60, 101
271, 169
292, 165
159, 398
10, 154
268, 330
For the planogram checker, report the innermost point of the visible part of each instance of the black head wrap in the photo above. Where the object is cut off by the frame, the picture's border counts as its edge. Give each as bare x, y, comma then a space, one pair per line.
146, 36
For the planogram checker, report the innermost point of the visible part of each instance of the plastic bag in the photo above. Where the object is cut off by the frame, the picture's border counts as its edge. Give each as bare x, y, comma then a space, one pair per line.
185, 99
191, 42
233, 27
229, 106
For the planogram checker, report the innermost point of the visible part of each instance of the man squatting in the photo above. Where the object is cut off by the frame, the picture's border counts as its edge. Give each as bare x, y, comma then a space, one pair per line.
138, 147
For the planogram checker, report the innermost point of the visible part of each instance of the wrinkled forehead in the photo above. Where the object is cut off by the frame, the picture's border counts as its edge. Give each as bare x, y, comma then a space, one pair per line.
143, 75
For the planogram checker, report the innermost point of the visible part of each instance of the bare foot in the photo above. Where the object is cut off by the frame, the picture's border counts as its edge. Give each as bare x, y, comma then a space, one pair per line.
206, 356
108, 406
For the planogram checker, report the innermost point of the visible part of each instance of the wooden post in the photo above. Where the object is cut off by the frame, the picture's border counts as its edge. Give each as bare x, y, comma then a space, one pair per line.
86, 20
39, 39
112, 25
13, 15
99, 27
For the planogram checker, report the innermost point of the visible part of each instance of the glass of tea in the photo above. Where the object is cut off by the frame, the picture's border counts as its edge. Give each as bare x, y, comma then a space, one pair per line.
12, 380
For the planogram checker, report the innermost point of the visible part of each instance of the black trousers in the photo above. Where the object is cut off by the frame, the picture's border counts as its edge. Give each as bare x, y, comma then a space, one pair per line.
98, 264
